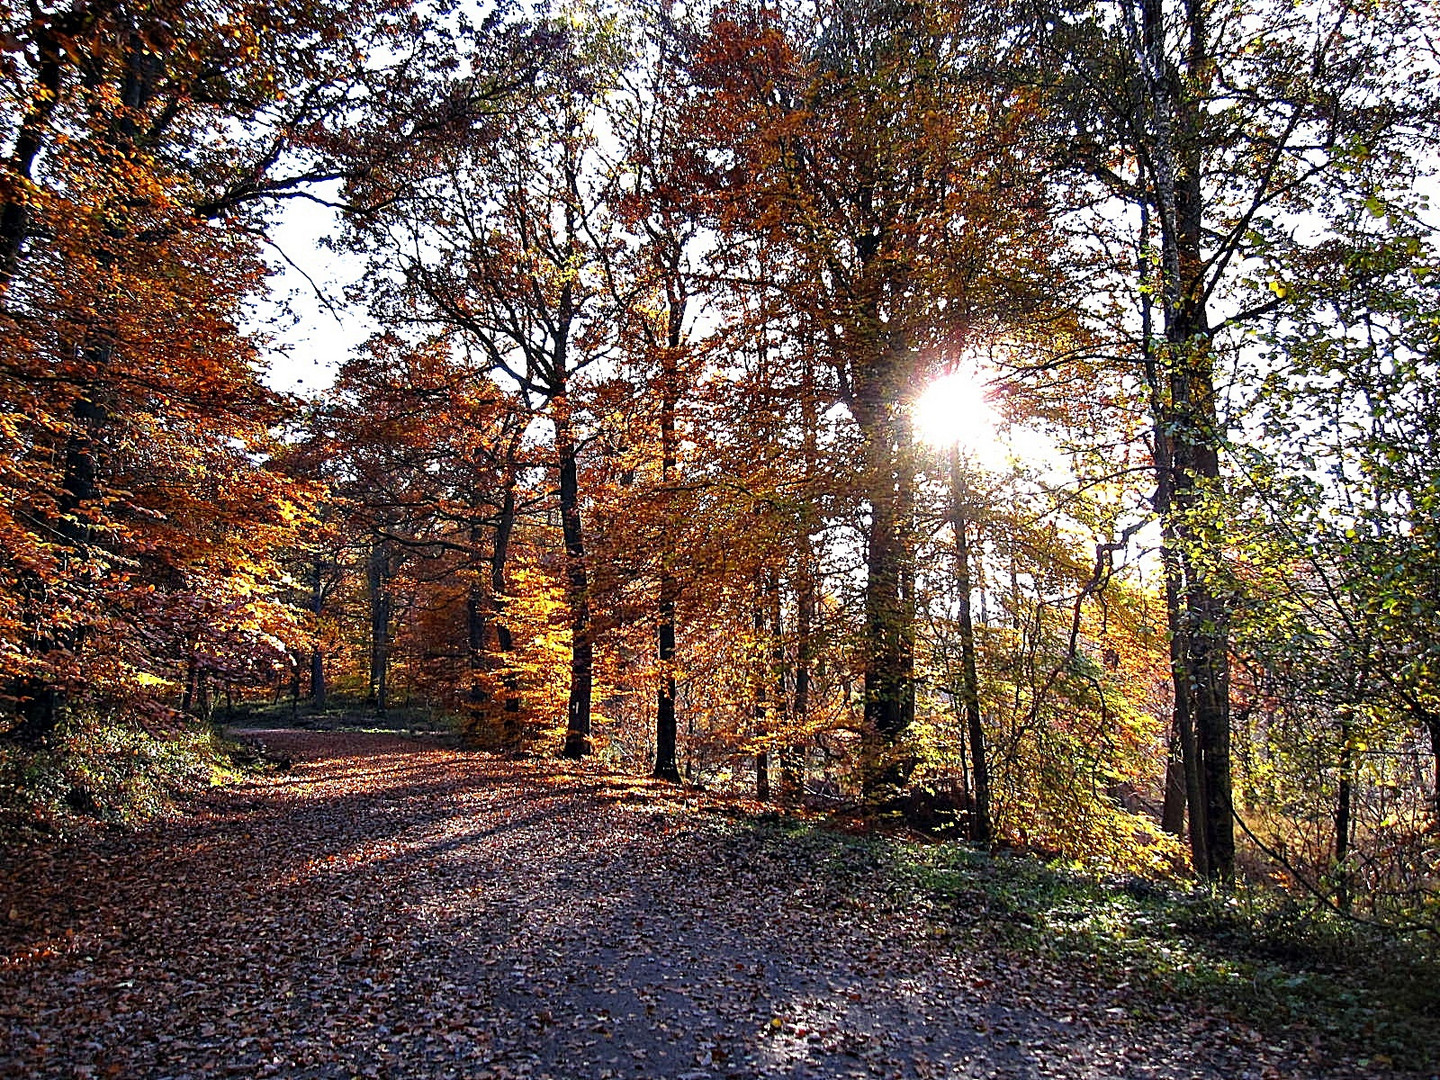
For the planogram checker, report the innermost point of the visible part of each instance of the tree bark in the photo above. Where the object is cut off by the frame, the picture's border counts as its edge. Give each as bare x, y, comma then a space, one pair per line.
377, 578
666, 766
317, 658
486, 612
980, 827
1188, 436
582, 657
889, 614
1342, 813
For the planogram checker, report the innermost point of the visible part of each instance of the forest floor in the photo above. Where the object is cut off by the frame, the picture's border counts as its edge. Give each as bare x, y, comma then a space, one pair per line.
398, 907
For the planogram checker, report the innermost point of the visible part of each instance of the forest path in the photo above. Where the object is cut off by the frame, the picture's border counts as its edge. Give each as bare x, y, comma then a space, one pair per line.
392, 907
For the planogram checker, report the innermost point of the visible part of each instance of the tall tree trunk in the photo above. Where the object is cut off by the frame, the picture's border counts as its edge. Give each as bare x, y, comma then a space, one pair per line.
889, 611
1187, 428
1432, 724
762, 758
482, 613
777, 670
317, 658
666, 766
1172, 810
980, 827
1342, 811
792, 761
42, 700
499, 602
377, 579
582, 655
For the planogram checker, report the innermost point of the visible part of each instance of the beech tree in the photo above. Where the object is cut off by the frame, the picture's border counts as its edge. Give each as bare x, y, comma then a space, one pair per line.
1223, 138
505, 244
852, 138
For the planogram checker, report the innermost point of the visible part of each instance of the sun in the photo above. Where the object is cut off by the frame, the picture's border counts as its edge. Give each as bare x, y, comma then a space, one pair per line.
956, 409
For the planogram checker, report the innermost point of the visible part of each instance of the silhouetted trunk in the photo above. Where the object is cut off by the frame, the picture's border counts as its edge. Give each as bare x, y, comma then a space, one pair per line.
377, 578
1432, 724
889, 611
777, 671
1187, 434
666, 766
577, 727
317, 658
1342, 812
1172, 810
792, 757
41, 701
187, 699
980, 828
484, 613
499, 593
762, 731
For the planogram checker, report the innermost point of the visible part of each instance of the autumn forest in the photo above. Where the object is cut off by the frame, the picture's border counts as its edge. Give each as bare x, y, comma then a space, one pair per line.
1014, 420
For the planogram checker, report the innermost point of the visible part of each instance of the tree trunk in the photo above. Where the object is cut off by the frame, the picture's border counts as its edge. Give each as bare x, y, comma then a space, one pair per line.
1432, 723
666, 767
1172, 811
980, 827
483, 613
377, 578
317, 658
889, 612
762, 758
792, 760
577, 726
1187, 434
1342, 813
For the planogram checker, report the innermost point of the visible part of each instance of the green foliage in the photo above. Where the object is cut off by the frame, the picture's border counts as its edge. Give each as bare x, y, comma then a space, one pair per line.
101, 769
1258, 954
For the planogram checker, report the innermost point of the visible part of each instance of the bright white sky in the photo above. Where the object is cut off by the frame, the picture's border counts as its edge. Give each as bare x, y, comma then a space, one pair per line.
311, 340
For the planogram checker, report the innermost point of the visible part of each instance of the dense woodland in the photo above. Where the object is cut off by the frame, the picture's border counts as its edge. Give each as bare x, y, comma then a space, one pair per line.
633, 467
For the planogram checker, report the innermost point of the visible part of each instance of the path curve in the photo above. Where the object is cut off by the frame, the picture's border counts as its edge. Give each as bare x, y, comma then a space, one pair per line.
394, 908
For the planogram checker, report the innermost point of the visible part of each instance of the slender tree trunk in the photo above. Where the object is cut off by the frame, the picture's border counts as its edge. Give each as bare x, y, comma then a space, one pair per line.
980, 827
777, 671
187, 700
1432, 724
792, 762
762, 729
792, 757
582, 655
1342, 812
377, 578
666, 767
483, 613
317, 658
499, 601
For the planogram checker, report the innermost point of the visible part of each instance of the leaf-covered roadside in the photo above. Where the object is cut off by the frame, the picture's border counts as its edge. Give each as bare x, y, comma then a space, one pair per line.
1272, 965
393, 907
114, 772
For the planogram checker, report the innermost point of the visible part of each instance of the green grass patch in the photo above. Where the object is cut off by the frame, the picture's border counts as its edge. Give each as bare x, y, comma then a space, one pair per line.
340, 714
1258, 955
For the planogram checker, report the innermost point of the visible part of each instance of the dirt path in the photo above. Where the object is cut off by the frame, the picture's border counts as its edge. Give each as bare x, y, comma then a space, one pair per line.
389, 908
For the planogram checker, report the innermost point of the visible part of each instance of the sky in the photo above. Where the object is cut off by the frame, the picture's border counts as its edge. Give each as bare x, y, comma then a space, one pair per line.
310, 339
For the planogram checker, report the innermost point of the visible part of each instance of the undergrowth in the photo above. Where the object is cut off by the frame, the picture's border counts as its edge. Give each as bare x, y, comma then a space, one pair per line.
1257, 954
106, 770
341, 714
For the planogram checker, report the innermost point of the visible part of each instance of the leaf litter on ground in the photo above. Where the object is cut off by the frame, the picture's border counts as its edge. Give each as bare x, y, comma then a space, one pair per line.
394, 907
